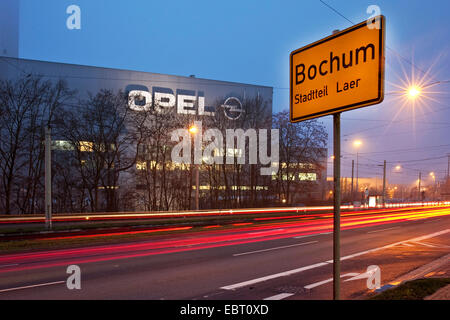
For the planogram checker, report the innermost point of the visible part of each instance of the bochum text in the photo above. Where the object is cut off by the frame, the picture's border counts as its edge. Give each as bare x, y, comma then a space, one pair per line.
333, 64
213, 153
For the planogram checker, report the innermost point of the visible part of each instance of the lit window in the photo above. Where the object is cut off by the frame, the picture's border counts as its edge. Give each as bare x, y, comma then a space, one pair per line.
307, 176
86, 146
61, 145
141, 165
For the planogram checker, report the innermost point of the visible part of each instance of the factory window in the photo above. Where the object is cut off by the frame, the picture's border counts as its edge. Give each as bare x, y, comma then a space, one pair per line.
86, 146
141, 165
62, 145
307, 176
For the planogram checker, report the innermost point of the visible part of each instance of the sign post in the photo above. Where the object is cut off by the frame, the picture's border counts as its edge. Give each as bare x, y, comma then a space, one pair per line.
337, 205
342, 72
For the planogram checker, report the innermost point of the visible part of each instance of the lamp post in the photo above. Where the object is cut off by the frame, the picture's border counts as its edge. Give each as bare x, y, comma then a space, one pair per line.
398, 169
193, 130
48, 178
357, 144
434, 183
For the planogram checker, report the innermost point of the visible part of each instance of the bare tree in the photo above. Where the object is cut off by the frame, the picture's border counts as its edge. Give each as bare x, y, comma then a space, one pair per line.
26, 107
302, 151
163, 185
103, 146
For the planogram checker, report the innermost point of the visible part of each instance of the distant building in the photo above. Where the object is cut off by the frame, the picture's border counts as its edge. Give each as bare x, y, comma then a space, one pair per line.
200, 99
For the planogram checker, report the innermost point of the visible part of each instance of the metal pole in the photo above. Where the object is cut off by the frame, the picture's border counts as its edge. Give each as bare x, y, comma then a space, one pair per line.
337, 205
48, 179
384, 184
420, 177
351, 193
357, 178
197, 186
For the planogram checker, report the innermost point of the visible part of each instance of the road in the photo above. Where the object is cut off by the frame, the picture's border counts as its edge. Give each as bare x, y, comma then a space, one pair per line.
281, 260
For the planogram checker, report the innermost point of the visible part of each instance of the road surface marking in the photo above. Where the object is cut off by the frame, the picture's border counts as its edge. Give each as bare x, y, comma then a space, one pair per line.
407, 244
279, 296
394, 244
316, 284
320, 264
276, 248
33, 286
436, 245
425, 244
311, 235
273, 276
383, 230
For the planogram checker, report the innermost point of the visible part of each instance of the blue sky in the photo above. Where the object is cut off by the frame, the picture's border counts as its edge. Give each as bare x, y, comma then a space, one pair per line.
250, 41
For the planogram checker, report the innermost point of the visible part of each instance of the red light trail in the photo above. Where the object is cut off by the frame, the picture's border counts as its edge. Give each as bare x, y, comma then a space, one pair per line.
207, 239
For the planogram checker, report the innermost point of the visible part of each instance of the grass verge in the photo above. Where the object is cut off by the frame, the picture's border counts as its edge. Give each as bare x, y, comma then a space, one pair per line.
413, 290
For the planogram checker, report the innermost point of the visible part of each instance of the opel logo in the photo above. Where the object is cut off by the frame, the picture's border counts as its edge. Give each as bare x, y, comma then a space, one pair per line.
232, 108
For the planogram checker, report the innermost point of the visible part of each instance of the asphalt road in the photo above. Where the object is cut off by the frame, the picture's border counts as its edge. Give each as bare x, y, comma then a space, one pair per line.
281, 260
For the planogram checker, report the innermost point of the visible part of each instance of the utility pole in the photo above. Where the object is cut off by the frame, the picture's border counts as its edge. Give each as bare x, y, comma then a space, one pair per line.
384, 184
48, 178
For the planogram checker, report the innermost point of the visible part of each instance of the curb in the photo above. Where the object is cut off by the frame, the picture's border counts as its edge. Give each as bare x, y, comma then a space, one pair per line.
417, 273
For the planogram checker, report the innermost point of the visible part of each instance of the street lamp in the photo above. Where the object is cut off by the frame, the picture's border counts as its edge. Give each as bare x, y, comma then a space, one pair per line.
193, 130
413, 92
357, 144
434, 183
398, 169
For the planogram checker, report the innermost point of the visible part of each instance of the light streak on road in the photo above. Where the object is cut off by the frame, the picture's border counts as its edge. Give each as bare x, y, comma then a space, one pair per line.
203, 240
202, 213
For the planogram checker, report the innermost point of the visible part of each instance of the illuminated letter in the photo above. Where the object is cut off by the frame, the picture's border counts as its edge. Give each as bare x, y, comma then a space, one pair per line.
185, 102
201, 107
139, 95
164, 100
